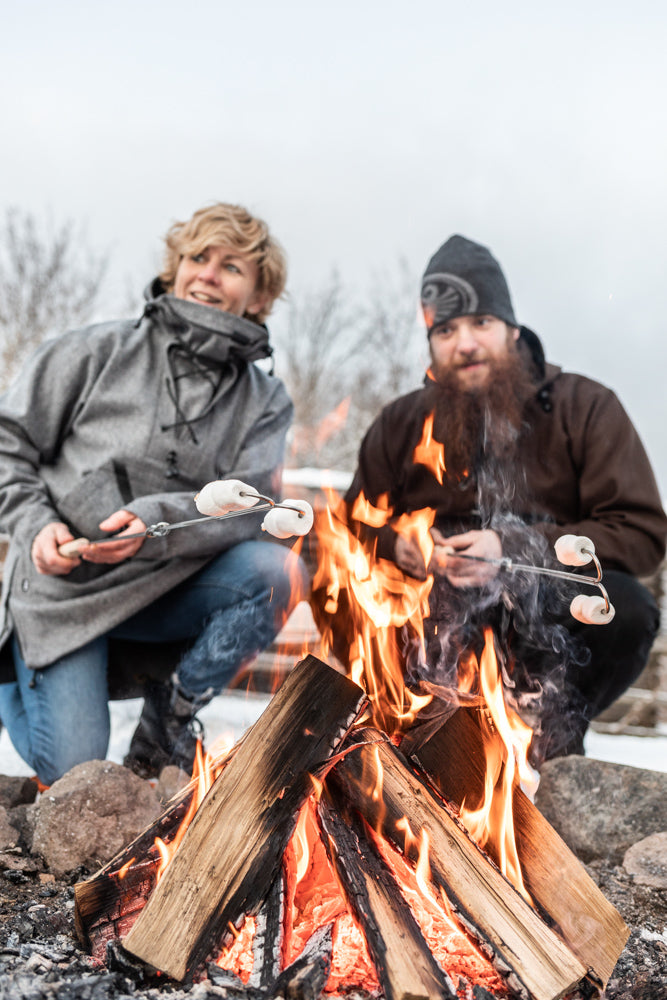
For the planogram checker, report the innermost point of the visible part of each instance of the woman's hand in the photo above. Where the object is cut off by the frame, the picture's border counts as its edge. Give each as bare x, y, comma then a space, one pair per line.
116, 551
44, 550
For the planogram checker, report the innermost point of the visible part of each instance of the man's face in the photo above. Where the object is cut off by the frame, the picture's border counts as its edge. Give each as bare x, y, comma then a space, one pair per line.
468, 346
220, 277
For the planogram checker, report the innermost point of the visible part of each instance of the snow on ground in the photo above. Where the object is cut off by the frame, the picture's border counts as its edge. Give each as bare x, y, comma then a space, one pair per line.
232, 713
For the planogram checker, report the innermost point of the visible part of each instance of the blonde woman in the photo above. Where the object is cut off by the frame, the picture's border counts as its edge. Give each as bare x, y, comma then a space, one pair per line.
115, 427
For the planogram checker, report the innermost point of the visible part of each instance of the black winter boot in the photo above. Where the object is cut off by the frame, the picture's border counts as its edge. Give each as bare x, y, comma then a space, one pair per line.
168, 730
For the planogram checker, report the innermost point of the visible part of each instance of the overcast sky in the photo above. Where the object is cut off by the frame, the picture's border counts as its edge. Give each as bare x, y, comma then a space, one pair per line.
367, 132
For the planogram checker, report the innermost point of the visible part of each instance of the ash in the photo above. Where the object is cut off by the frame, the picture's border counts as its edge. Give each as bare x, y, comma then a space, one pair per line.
612, 816
41, 959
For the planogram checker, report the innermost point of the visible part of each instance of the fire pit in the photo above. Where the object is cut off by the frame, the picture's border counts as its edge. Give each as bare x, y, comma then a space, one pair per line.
319, 831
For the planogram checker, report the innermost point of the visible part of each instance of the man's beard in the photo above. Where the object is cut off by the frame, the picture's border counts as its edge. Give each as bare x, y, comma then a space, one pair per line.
480, 427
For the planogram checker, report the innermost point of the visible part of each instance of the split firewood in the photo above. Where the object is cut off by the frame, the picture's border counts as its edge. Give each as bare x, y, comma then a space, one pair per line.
526, 953
454, 759
232, 850
405, 967
268, 938
128, 879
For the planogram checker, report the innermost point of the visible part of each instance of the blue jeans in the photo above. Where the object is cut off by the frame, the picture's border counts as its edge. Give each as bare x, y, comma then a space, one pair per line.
233, 608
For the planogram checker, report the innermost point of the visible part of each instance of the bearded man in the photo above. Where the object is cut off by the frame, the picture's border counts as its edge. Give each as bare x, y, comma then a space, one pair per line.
530, 453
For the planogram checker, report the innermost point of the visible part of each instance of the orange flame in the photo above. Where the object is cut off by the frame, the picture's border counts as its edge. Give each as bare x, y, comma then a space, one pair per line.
384, 608
506, 763
312, 437
333, 422
376, 609
314, 899
430, 452
379, 600
448, 942
122, 872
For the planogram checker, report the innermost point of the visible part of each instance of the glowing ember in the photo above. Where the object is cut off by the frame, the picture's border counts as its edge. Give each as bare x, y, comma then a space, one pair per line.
314, 899
238, 957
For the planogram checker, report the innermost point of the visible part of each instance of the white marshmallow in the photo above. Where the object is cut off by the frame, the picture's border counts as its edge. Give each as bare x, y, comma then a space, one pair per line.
591, 610
570, 550
224, 495
283, 522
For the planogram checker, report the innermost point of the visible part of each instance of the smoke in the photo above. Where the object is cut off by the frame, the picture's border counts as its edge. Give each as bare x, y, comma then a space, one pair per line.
527, 613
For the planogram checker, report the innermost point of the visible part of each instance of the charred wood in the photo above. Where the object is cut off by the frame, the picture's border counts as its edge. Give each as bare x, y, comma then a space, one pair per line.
528, 955
454, 759
267, 942
403, 961
306, 977
232, 850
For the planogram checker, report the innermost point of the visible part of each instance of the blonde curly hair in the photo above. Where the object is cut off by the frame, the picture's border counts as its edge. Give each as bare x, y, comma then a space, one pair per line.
222, 224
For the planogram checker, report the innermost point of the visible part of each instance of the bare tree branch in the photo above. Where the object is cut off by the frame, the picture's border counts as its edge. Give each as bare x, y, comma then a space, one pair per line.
342, 362
49, 282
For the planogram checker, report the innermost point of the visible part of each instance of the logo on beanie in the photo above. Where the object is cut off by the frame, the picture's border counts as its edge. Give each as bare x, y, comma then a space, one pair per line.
447, 295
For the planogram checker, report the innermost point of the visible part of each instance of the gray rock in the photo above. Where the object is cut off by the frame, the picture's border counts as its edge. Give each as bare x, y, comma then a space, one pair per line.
90, 814
601, 809
647, 861
172, 780
16, 791
22, 817
8, 833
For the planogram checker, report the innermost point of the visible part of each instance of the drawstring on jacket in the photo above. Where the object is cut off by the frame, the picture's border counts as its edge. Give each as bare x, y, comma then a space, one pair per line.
236, 348
194, 365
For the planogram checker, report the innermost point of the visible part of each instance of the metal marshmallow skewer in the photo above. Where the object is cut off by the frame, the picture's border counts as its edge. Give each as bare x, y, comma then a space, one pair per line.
572, 550
223, 499
236, 493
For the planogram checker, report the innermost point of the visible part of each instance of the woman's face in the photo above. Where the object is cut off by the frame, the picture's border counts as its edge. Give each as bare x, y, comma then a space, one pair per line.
220, 277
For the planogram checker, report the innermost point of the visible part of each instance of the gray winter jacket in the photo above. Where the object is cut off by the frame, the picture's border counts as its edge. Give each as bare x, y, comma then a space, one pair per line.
135, 415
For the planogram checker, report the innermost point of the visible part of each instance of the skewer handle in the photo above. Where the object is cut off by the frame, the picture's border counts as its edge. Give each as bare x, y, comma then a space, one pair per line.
70, 550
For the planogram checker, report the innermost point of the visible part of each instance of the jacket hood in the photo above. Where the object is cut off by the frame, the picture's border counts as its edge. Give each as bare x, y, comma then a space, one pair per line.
544, 373
219, 335
531, 345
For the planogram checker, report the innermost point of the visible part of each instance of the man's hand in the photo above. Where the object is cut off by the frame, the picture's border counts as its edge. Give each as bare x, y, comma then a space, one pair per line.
409, 558
465, 572
44, 550
117, 551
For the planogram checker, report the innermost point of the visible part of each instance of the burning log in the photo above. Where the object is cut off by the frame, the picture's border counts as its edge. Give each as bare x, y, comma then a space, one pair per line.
124, 883
268, 939
454, 758
526, 952
403, 961
232, 850
226, 868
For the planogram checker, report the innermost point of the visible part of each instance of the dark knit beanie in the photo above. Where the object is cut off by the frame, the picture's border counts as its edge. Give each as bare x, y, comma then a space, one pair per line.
463, 278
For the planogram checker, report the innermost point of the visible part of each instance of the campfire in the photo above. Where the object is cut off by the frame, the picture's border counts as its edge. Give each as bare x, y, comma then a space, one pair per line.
341, 845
